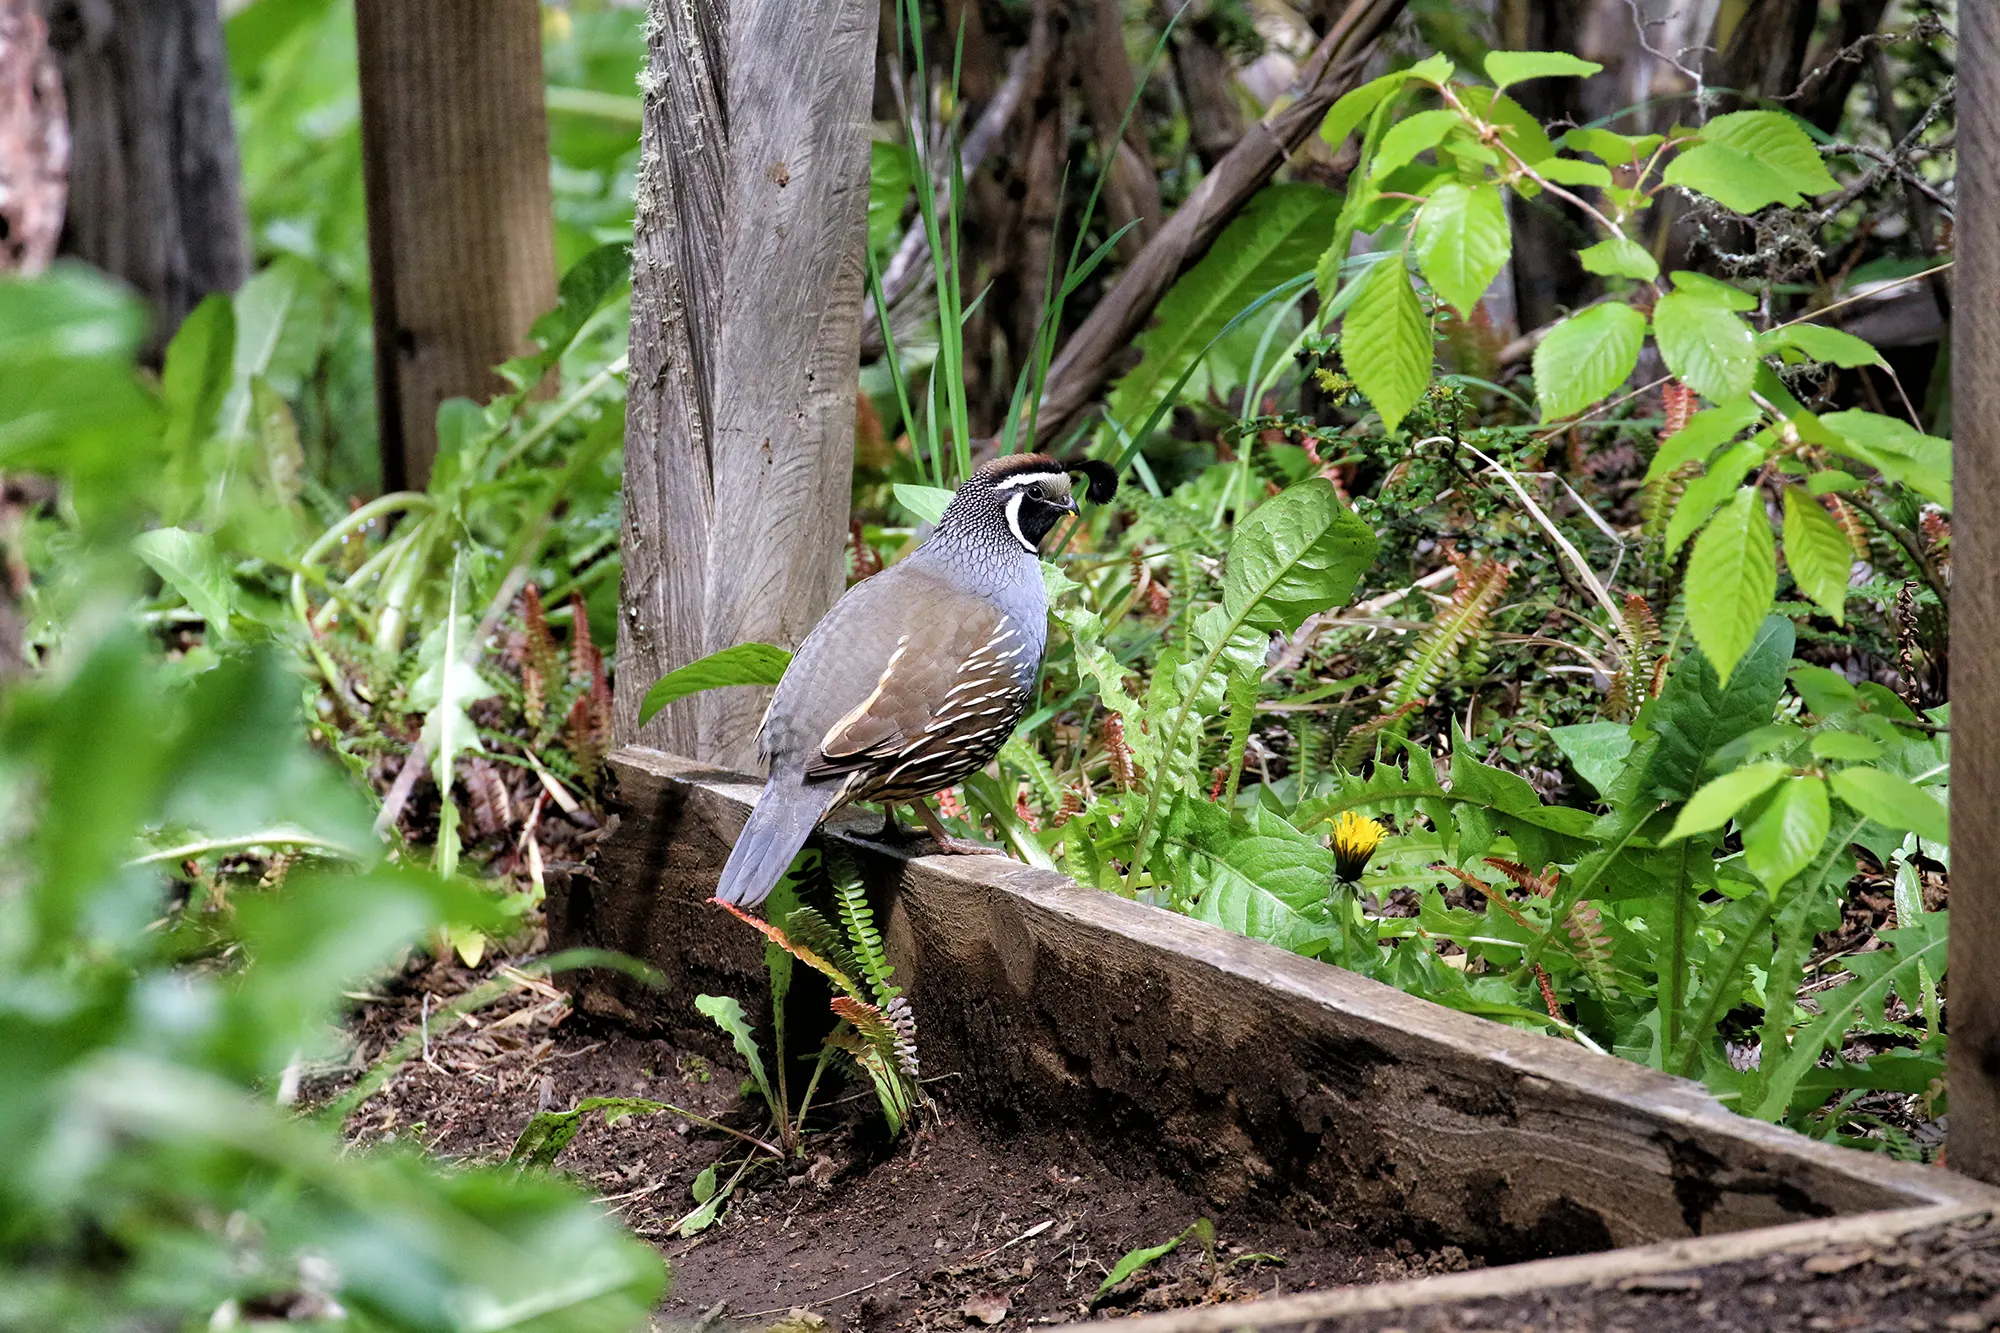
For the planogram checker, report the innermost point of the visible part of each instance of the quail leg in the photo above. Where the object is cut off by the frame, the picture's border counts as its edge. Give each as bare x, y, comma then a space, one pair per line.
946, 843
892, 832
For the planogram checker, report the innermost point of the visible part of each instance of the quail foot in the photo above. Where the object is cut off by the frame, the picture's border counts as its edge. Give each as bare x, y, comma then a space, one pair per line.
918, 675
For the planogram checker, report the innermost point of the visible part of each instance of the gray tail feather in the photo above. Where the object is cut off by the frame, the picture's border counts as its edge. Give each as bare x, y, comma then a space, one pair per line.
781, 821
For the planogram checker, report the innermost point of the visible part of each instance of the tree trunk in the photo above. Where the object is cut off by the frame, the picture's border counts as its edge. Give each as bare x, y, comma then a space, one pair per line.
461, 225
155, 192
34, 146
747, 278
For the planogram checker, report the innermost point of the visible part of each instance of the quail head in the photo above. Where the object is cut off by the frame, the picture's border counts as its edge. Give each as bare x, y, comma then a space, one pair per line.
918, 675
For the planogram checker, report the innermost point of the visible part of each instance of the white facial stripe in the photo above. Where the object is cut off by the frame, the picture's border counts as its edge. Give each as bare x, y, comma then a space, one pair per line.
1014, 523
1023, 479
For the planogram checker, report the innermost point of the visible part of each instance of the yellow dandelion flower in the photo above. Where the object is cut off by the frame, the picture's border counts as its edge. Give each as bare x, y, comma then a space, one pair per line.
1355, 838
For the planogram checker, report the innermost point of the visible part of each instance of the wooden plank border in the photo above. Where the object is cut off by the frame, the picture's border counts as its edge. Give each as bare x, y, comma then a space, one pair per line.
1253, 1076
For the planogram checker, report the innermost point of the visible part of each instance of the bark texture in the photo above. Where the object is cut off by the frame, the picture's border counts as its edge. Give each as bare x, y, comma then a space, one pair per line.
461, 226
34, 143
747, 284
155, 191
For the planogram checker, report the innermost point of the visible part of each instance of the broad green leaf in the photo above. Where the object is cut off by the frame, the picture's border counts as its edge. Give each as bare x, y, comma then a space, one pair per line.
549, 1132
188, 563
1611, 148
1833, 480
1717, 802
1134, 1260
585, 287
1705, 430
1256, 877
1705, 493
1620, 257
1596, 750
448, 684
1570, 171
1462, 242
1357, 105
1713, 290
1705, 345
1817, 552
280, 326
1586, 357
1385, 342
1699, 712
704, 1184
1505, 67
1788, 833
1845, 745
1297, 554
1731, 578
1833, 346
277, 434
1749, 159
192, 386
745, 664
928, 503
891, 177
1518, 130
1824, 692
1277, 237
727, 1013
1893, 802
1896, 449
1410, 136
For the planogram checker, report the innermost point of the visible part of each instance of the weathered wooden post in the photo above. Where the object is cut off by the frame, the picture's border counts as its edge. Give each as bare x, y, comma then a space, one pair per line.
746, 302
1974, 1141
461, 223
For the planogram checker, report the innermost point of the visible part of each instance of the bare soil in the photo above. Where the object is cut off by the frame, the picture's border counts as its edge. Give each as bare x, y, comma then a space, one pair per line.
950, 1227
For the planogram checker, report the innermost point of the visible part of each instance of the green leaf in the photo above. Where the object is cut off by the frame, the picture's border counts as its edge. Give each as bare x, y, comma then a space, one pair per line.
280, 326
1705, 345
1896, 449
192, 386
1596, 750
704, 1184
1620, 257
448, 684
745, 664
1462, 241
549, 1132
1297, 554
1821, 343
1893, 802
1137, 1259
1701, 496
1731, 578
1846, 745
1570, 171
1749, 159
1817, 552
1257, 877
891, 177
1518, 130
1611, 148
188, 563
928, 503
1410, 136
1357, 105
1586, 357
1713, 290
1717, 802
1705, 430
1385, 342
1505, 67
727, 1014
1699, 712
585, 287
1277, 237
1788, 834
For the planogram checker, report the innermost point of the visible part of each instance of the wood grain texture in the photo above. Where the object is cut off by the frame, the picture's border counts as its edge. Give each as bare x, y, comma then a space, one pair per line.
155, 186
1974, 1139
746, 330
1338, 64
1248, 1074
461, 222
34, 146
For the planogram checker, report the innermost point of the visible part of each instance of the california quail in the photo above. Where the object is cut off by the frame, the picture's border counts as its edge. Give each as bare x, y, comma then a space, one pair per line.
918, 675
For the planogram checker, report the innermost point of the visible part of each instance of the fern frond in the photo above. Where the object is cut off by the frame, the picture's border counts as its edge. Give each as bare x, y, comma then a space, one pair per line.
1026, 760
1458, 628
1359, 742
799, 951
810, 929
859, 920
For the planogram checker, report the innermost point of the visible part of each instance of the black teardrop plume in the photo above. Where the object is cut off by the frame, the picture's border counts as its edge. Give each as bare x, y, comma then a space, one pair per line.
1102, 479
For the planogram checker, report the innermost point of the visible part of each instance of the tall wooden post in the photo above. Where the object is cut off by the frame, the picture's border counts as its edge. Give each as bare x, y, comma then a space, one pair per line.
1974, 1141
746, 303
461, 225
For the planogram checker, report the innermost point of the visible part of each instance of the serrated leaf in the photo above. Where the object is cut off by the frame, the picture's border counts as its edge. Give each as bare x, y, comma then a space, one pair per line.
1596, 750
1385, 343
1611, 148
1462, 242
1570, 171
188, 563
1896, 449
1705, 345
1788, 833
1713, 290
1410, 136
727, 1013
1518, 130
1698, 713
1506, 67
1705, 430
1297, 554
1750, 159
1717, 801
1849, 746
1586, 357
1821, 343
1731, 578
1257, 877
745, 664
1277, 237
446, 686
1893, 802
1817, 552
1357, 105
1702, 496
1620, 257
